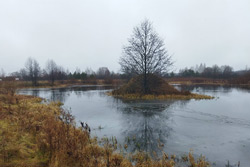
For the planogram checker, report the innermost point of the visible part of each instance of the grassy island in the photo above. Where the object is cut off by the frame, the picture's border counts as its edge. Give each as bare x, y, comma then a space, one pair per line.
157, 88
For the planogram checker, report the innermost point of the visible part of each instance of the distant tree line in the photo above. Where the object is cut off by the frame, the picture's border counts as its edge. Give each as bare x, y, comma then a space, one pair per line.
202, 70
52, 72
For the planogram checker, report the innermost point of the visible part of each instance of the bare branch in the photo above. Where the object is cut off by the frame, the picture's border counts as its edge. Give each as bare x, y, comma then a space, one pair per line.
145, 52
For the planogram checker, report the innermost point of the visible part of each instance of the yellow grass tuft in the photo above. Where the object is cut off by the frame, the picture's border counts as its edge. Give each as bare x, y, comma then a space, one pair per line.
161, 97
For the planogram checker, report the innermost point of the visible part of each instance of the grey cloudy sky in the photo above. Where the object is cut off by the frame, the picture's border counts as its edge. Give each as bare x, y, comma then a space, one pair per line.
91, 33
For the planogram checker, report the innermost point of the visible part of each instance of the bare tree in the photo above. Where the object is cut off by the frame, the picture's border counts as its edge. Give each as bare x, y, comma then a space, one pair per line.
60, 73
103, 72
145, 54
227, 71
216, 71
23, 74
89, 71
33, 70
2, 73
51, 70
200, 68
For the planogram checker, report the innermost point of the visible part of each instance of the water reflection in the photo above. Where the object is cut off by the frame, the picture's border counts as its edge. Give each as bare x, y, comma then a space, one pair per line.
212, 88
146, 124
61, 94
205, 88
35, 93
214, 128
58, 95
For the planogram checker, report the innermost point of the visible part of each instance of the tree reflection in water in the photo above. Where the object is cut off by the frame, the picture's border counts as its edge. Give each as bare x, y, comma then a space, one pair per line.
61, 94
203, 89
35, 93
147, 124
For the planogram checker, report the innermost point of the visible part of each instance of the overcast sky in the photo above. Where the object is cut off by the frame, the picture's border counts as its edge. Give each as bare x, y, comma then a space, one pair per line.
91, 33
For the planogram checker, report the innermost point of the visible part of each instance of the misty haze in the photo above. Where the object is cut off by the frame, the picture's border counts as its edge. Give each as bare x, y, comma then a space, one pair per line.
126, 83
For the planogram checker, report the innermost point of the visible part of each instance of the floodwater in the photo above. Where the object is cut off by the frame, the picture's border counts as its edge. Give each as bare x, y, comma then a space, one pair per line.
218, 129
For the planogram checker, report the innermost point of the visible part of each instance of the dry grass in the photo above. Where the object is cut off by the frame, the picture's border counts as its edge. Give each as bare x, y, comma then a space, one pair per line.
197, 81
63, 83
34, 134
155, 86
161, 97
158, 88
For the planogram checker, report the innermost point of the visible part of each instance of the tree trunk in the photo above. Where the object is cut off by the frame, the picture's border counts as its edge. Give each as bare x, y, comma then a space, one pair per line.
145, 75
145, 83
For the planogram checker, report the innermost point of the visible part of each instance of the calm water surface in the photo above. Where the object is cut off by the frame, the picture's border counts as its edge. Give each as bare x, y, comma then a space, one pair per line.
218, 128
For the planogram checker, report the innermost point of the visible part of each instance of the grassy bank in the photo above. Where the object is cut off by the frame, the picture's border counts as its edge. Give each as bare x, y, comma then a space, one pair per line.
118, 82
197, 81
63, 83
240, 81
161, 97
37, 134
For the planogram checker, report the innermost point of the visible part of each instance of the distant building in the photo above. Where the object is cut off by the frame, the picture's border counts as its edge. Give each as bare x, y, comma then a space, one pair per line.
17, 79
1, 80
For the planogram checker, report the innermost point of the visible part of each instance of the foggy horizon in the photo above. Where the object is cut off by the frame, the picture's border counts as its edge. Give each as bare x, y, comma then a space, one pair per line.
91, 34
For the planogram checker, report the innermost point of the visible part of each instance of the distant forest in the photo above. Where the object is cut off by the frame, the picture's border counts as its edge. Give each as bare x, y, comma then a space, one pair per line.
52, 72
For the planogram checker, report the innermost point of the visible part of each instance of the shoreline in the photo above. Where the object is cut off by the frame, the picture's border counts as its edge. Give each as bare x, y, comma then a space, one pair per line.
40, 139
64, 84
162, 97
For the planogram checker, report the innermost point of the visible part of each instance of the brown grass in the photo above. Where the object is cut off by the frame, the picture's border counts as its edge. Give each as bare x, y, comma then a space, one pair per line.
63, 83
34, 134
158, 88
197, 81
161, 97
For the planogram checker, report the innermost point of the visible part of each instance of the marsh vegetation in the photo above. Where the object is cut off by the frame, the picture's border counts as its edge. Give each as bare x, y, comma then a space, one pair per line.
177, 125
157, 88
44, 134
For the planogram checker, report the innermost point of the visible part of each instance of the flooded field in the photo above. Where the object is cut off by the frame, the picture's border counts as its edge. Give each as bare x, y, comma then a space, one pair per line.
218, 129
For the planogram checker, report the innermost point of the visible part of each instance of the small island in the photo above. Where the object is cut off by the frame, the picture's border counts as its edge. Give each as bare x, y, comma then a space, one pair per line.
157, 88
147, 60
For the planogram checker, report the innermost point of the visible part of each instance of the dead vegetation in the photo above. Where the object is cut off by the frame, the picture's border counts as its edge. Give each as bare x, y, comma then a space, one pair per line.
157, 88
38, 134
